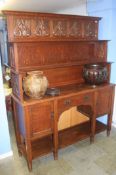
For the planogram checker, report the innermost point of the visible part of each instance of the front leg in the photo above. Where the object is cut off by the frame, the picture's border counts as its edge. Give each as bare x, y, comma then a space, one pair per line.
109, 122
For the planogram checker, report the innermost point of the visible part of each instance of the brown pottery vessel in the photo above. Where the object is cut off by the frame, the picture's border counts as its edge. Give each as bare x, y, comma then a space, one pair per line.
95, 74
35, 84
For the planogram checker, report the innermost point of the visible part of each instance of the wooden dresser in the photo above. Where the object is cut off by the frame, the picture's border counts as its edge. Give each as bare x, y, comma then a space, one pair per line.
59, 45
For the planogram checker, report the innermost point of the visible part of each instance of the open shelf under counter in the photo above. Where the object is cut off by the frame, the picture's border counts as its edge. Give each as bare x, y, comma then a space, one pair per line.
67, 137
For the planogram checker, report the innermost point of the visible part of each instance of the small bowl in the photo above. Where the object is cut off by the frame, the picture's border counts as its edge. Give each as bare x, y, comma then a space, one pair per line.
95, 74
53, 91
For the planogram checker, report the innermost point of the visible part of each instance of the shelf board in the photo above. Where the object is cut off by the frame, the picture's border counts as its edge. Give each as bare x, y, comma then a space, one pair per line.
68, 136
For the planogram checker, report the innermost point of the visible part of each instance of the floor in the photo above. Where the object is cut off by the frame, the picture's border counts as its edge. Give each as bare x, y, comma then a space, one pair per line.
82, 158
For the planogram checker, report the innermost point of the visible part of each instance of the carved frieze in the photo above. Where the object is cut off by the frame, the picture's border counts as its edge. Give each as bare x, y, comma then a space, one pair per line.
59, 27
42, 27
37, 28
22, 27
75, 28
90, 29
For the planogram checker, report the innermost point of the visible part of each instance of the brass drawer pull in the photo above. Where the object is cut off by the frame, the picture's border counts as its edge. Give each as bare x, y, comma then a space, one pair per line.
67, 102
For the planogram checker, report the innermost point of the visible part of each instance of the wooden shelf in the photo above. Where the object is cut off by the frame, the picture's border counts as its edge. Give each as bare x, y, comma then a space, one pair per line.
68, 136
42, 146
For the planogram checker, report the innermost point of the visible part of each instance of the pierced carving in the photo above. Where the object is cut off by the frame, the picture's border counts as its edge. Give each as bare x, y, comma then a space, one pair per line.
75, 28
22, 27
42, 27
15, 84
59, 28
89, 29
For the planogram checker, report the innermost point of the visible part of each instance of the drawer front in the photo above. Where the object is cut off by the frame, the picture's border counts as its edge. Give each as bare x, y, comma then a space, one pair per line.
82, 99
41, 119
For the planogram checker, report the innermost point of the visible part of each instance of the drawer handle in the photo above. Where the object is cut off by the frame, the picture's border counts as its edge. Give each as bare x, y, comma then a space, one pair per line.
86, 97
67, 102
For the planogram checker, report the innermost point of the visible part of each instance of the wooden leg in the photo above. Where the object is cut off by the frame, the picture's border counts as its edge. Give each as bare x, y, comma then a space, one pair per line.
55, 141
91, 139
16, 127
55, 135
29, 163
109, 122
91, 131
93, 123
109, 119
54, 152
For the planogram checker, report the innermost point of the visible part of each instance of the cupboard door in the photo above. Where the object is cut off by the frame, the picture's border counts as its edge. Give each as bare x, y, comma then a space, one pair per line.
41, 119
103, 100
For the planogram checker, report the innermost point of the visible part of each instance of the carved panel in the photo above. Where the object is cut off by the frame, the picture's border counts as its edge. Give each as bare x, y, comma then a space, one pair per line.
90, 29
101, 51
59, 27
42, 27
75, 28
11, 56
57, 53
25, 26
15, 84
22, 27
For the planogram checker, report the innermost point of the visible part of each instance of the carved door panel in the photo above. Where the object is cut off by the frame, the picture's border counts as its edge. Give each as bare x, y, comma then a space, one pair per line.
103, 101
41, 119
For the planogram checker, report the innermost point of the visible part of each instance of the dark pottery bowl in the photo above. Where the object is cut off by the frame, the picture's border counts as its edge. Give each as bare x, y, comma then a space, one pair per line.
53, 91
95, 74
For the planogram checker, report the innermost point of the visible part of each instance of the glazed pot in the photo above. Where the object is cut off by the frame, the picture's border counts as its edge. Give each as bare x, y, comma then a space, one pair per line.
95, 74
35, 84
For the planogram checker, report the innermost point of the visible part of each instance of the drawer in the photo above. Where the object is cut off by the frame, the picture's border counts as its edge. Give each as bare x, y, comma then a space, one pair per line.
82, 99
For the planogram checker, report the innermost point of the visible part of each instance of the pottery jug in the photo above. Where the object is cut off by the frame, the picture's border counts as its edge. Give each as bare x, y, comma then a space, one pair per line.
35, 84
